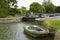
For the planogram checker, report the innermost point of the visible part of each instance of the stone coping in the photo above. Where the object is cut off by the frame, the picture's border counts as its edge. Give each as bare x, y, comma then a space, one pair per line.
9, 20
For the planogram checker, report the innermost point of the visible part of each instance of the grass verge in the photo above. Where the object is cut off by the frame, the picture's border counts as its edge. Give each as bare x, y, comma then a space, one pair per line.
55, 23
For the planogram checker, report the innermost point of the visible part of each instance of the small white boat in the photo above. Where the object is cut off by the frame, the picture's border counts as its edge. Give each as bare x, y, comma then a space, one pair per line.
35, 31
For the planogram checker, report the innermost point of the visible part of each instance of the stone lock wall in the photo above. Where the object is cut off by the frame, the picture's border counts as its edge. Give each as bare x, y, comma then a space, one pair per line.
9, 20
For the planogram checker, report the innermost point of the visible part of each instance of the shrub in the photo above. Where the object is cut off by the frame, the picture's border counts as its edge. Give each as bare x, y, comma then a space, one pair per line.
45, 23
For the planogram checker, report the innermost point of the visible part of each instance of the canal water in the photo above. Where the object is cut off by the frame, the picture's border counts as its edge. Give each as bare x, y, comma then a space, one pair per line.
15, 31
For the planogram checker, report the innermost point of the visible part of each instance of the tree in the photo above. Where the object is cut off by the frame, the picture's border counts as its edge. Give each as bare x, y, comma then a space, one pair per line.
14, 11
49, 6
23, 10
58, 9
37, 8
5, 6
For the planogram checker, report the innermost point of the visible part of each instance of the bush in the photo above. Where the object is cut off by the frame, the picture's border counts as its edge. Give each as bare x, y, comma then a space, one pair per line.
45, 23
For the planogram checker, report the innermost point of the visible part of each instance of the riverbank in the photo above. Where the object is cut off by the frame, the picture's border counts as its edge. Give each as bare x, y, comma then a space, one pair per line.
55, 23
10, 20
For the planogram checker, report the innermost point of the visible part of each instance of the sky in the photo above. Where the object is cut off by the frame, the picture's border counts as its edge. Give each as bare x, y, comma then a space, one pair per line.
26, 3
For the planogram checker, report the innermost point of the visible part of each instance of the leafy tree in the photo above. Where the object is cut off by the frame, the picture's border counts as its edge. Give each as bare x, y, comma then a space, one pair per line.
58, 9
49, 6
37, 8
23, 10
14, 11
5, 6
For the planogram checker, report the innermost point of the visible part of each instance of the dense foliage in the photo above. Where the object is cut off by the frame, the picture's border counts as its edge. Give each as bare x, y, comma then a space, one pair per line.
49, 6
14, 11
58, 9
5, 6
36, 7
23, 10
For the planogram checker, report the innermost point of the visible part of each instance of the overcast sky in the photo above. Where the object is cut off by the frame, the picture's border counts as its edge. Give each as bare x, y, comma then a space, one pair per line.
26, 3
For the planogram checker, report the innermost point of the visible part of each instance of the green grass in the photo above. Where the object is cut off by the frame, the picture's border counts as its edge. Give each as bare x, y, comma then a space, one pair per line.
55, 23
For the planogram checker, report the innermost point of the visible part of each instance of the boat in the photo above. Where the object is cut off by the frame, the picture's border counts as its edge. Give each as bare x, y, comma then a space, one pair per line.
35, 31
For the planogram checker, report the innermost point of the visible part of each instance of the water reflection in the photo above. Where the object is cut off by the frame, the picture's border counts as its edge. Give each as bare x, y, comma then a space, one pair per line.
14, 31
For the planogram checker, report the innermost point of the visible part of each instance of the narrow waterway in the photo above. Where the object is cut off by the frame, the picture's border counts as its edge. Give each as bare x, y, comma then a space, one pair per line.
15, 31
